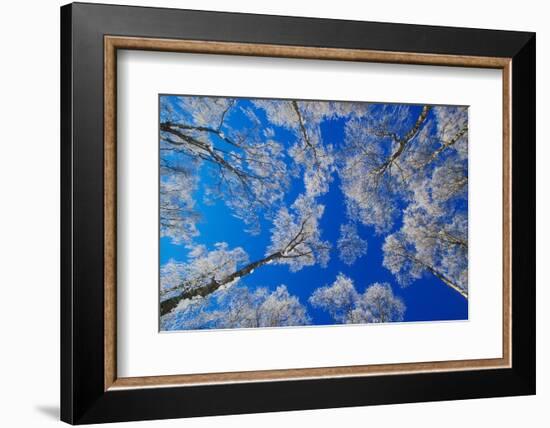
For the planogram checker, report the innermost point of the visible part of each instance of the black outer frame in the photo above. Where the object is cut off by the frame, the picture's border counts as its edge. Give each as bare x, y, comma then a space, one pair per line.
83, 399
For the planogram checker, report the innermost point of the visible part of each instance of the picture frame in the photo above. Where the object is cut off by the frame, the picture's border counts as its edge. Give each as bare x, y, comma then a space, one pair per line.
91, 390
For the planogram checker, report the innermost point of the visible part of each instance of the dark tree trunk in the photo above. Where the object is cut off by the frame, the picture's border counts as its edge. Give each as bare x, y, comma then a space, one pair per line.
167, 305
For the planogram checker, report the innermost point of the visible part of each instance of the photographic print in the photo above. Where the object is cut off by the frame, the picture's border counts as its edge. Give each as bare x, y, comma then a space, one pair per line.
286, 213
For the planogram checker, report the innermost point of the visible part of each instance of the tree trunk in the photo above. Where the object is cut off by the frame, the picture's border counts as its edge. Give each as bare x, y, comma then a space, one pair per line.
447, 281
443, 278
167, 305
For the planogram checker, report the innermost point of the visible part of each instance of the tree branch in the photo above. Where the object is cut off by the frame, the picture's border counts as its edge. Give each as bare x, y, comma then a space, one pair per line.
167, 305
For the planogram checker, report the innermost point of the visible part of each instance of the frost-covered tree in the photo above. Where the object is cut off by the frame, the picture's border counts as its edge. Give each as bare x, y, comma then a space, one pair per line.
338, 299
295, 241
390, 152
371, 169
246, 169
178, 215
203, 273
433, 239
381, 304
428, 244
345, 305
446, 136
296, 235
401, 165
443, 190
350, 245
239, 307
312, 156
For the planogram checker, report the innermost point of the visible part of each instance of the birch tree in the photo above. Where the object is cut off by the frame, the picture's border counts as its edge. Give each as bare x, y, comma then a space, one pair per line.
239, 307
447, 136
381, 304
430, 245
389, 153
247, 171
313, 157
295, 242
399, 165
345, 305
372, 171
178, 216
296, 236
350, 245
338, 299
433, 239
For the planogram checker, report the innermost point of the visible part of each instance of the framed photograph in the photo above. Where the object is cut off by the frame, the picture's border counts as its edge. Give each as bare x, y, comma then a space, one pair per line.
265, 213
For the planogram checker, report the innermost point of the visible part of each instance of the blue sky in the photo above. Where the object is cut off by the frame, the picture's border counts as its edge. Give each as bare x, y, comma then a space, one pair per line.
426, 299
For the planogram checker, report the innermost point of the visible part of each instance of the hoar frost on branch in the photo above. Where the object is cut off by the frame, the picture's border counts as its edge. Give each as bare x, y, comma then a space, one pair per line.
178, 216
372, 165
395, 160
203, 270
391, 151
310, 153
295, 242
296, 235
247, 170
239, 307
428, 244
350, 245
345, 305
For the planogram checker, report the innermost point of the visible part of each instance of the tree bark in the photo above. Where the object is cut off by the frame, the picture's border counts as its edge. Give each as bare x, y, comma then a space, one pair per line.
447, 281
167, 305
403, 142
